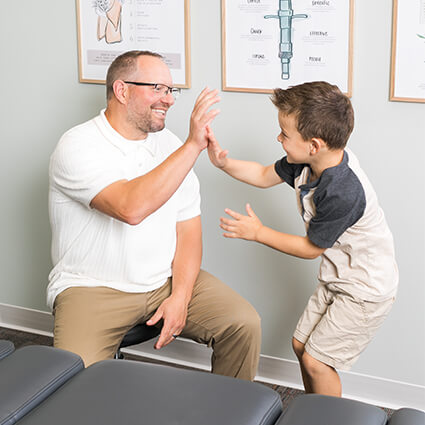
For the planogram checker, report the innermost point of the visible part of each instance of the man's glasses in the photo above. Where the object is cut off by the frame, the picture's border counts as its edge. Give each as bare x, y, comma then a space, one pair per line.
161, 89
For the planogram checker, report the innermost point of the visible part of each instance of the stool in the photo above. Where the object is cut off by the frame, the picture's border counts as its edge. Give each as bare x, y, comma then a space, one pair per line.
137, 334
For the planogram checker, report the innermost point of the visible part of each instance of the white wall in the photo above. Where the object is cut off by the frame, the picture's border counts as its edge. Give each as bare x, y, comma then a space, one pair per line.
41, 98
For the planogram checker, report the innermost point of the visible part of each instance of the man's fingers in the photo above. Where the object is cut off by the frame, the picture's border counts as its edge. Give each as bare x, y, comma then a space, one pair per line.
155, 318
208, 118
204, 103
165, 337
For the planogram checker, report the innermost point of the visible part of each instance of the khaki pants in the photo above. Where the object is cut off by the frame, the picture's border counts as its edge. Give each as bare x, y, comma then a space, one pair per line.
92, 321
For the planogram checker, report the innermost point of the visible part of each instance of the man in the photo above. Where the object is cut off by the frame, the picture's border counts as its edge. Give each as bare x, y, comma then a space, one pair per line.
124, 208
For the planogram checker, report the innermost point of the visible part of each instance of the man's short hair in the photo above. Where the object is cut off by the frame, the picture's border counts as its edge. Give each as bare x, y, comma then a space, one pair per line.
321, 110
123, 66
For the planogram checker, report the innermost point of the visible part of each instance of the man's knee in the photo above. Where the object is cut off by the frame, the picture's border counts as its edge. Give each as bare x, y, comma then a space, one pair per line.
246, 322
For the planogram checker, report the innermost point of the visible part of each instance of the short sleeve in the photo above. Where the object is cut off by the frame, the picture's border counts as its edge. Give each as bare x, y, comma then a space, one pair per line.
337, 208
80, 169
189, 198
288, 172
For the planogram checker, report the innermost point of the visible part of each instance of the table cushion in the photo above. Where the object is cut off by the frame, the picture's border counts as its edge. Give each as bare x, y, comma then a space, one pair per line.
6, 348
324, 410
407, 416
129, 392
30, 375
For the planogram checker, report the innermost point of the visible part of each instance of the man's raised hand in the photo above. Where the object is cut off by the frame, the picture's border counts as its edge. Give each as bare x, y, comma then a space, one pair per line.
202, 117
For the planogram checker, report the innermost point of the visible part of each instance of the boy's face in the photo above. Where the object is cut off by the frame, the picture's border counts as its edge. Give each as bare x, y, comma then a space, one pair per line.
296, 148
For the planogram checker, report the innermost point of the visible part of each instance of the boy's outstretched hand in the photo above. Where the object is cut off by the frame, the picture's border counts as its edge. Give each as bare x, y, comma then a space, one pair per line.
242, 227
216, 154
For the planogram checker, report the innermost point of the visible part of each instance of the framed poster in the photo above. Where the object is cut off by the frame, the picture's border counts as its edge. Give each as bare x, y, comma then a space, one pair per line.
408, 51
107, 28
280, 43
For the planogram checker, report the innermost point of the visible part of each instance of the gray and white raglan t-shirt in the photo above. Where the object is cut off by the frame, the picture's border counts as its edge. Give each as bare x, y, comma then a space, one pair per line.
341, 213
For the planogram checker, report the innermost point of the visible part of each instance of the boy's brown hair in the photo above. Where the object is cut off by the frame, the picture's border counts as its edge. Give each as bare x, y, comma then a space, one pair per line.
321, 110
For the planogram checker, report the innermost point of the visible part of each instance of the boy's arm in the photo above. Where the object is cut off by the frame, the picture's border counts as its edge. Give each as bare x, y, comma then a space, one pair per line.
249, 172
250, 228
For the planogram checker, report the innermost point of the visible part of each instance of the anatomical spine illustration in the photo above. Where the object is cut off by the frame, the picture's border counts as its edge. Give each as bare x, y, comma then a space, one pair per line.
109, 20
285, 16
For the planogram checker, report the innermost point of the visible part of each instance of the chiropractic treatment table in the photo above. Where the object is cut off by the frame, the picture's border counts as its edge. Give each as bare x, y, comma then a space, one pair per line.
42, 385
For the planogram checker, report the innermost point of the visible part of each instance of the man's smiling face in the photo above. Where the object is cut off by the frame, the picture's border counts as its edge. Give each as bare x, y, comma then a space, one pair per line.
146, 109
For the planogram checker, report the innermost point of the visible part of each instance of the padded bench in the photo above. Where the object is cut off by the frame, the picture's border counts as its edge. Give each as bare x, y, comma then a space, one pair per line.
44, 385
124, 392
31, 374
6, 348
324, 410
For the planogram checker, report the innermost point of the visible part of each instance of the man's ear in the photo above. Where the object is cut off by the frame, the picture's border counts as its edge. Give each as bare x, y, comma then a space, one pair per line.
120, 91
316, 144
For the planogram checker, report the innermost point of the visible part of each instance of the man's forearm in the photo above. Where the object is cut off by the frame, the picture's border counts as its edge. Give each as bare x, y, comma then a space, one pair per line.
295, 245
187, 260
145, 194
134, 200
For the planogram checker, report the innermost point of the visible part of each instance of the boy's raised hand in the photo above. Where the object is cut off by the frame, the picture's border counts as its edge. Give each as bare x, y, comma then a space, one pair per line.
216, 154
242, 226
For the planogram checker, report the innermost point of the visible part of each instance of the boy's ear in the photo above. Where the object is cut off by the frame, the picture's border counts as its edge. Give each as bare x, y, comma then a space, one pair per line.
316, 145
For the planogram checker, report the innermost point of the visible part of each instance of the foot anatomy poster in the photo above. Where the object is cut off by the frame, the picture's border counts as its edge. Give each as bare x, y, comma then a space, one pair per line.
107, 28
280, 43
408, 51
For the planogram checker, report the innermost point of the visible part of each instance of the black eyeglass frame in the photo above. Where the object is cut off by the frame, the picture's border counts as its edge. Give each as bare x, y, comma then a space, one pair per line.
175, 91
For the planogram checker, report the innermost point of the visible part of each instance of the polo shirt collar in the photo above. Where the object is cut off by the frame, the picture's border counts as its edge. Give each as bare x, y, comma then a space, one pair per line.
126, 146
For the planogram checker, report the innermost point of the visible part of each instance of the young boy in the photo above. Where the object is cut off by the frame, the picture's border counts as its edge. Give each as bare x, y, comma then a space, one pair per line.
358, 274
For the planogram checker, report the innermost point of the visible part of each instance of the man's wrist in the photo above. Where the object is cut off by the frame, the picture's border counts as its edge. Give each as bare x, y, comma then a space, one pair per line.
193, 146
182, 296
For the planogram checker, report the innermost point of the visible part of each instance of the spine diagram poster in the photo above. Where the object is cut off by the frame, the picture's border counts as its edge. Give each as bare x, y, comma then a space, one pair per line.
280, 43
107, 28
408, 51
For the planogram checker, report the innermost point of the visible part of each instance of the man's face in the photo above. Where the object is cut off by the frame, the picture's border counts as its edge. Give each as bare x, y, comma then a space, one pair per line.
295, 146
146, 109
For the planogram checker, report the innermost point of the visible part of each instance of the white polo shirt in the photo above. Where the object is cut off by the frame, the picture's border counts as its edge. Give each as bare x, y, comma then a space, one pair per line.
90, 248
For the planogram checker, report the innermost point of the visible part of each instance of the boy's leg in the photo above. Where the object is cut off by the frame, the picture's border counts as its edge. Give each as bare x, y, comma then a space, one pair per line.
342, 333
317, 376
222, 319
92, 321
323, 379
299, 350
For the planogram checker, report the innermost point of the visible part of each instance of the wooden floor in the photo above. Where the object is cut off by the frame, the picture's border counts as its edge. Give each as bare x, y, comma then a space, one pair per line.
21, 339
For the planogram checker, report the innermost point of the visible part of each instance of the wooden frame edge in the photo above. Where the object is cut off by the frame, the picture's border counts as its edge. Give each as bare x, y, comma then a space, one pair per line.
187, 46
393, 97
224, 86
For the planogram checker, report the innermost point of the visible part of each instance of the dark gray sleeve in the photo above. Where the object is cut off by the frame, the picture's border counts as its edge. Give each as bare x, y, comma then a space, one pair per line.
288, 172
338, 207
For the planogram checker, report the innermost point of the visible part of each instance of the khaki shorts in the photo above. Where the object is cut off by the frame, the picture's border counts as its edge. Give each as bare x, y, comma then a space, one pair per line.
336, 327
